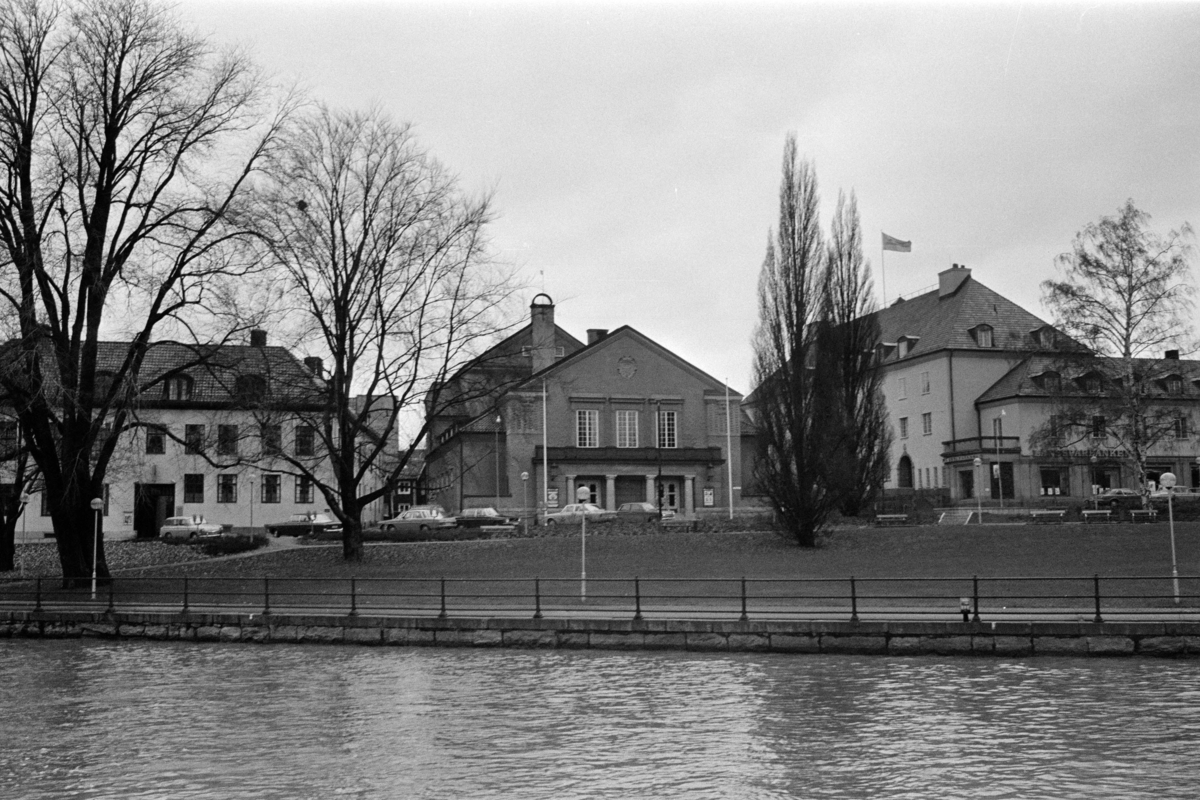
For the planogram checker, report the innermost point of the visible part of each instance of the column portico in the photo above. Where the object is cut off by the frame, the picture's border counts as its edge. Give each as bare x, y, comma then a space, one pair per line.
689, 500
650, 498
610, 492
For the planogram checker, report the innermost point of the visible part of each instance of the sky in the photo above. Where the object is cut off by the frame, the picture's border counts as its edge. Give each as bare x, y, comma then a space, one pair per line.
634, 148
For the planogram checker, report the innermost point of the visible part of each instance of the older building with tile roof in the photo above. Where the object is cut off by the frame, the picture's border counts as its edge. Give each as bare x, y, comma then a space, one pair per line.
969, 375
206, 423
622, 417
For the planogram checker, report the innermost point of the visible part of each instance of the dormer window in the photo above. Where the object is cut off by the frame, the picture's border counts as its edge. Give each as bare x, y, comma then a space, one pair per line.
905, 345
1174, 384
250, 388
177, 388
1050, 381
983, 335
1045, 337
1092, 383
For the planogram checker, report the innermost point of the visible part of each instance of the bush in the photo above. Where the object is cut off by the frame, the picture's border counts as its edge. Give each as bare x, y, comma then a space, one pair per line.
229, 544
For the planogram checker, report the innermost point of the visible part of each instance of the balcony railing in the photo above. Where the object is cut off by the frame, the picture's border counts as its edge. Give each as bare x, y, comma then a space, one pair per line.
982, 445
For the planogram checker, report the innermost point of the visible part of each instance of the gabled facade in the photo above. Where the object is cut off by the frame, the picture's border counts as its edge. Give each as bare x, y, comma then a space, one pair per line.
622, 416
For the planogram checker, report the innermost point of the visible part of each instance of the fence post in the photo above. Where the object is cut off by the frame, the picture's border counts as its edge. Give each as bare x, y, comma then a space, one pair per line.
637, 598
537, 598
37, 606
185, 594
443, 613
353, 599
853, 600
266, 595
744, 616
1096, 587
975, 597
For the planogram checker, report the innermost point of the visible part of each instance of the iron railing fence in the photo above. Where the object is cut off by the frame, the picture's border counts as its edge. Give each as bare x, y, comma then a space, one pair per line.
1088, 598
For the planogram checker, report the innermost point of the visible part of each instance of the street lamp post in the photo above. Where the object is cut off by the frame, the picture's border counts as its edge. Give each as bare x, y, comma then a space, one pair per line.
1168, 480
252, 502
525, 505
582, 495
24, 537
1095, 498
496, 447
978, 491
97, 506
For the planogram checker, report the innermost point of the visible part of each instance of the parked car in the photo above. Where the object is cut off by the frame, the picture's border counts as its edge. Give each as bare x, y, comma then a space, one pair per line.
1119, 499
193, 527
419, 518
638, 512
575, 512
484, 517
304, 524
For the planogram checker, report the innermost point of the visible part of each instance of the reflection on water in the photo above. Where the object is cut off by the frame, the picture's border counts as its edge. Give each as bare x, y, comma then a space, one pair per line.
172, 720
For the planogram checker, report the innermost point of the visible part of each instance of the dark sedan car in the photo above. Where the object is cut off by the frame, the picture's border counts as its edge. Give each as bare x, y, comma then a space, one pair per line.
1119, 499
638, 512
484, 517
304, 524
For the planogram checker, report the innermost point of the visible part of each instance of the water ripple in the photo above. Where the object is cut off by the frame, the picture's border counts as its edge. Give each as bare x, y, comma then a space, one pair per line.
172, 720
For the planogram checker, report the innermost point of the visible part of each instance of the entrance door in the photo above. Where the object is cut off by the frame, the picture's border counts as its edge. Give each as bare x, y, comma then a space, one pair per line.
966, 482
152, 503
1002, 479
668, 494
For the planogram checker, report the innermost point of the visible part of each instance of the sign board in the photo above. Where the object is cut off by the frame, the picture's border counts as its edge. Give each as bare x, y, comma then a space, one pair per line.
552, 498
709, 496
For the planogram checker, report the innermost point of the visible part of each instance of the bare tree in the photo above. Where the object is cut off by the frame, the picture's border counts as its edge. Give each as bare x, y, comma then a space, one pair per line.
1126, 293
386, 261
125, 147
855, 432
789, 467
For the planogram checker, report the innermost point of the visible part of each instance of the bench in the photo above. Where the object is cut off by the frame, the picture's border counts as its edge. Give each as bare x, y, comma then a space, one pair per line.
891, 519
1143, 515
1048, 515
1097, 515
677, 524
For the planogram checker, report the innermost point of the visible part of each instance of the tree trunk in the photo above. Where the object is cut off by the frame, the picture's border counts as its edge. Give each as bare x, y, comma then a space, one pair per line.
79, 537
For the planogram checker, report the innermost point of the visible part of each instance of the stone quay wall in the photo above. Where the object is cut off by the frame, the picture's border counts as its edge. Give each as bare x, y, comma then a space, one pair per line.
1177, 639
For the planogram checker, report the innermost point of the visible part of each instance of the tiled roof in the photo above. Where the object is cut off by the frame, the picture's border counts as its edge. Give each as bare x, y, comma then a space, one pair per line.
1028, 378
939, 323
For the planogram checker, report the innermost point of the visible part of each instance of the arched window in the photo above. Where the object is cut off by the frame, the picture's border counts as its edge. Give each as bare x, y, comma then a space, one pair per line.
904, 473
250, 388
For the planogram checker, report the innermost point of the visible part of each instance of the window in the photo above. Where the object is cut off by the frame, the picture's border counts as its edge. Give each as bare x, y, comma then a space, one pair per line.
627, 429
1097, 427
227, 488
272, 439
1054, 481
1057, 428
998, 428
924, 383
305, 440
193, 439
587, 423
10, 439
904, 428
902, 348
983, 336
156, 441
304, 489
901, 388
927, 423
667, 429
193, 488
1174, 385
227, 440
1091, 383
1181, 427
270, 488
177, 388
1051, 381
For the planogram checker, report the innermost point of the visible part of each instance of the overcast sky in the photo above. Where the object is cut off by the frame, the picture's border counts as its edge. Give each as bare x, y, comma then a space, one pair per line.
634, 148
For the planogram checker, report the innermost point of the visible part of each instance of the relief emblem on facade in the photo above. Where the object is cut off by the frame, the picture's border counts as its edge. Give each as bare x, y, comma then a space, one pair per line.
627, 367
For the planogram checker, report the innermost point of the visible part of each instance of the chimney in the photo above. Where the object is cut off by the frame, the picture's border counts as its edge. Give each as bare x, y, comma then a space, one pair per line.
951, 279
596, 334
258, 338
315, 365
541, 323
1171, 355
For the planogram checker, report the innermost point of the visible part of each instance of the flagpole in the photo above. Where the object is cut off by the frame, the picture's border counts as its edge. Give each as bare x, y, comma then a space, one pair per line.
882, 271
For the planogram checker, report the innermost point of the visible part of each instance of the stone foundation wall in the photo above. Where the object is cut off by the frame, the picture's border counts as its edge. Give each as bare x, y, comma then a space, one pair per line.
877, 638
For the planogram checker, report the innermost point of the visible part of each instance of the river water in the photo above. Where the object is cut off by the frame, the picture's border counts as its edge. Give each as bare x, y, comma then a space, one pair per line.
93, 719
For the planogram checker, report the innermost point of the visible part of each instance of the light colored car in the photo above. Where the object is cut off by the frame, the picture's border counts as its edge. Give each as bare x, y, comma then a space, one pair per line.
193, 527
576, 512
304, 525
419, 518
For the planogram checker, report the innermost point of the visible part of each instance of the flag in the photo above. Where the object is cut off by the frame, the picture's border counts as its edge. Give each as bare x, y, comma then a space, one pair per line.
895, 244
